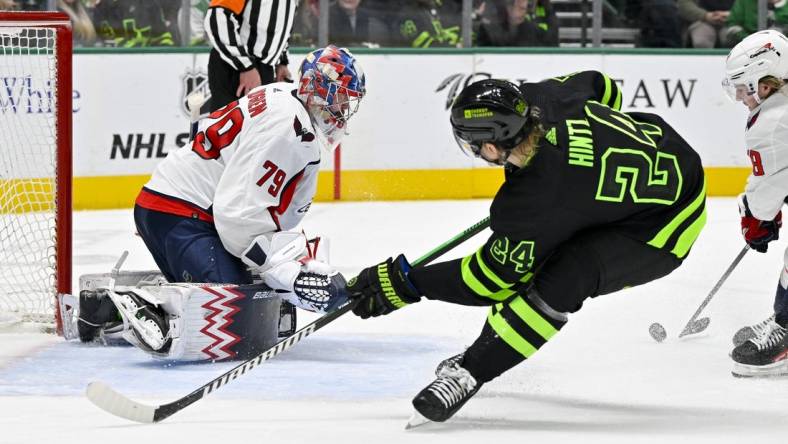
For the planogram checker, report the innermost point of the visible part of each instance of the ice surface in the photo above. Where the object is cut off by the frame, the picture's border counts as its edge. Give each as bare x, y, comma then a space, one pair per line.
601, 380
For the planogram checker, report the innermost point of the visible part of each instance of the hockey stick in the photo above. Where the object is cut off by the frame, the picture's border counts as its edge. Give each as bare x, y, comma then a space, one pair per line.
104, 397
696, 326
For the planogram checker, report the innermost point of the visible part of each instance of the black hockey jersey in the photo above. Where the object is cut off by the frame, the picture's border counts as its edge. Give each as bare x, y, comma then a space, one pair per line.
595, 167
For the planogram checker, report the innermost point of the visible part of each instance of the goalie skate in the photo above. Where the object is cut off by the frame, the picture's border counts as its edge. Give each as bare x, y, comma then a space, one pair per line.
149, 328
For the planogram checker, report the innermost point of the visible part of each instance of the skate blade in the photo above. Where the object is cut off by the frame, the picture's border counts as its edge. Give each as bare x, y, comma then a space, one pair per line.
416, 420
778, 369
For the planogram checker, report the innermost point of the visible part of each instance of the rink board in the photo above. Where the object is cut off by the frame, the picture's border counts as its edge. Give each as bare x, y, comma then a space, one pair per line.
400, 145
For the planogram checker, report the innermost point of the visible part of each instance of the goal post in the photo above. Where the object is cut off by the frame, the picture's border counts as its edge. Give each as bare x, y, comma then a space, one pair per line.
35, 164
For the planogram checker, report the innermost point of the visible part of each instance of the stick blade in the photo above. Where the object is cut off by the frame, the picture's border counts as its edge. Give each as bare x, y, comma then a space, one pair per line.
107, 399
696, 327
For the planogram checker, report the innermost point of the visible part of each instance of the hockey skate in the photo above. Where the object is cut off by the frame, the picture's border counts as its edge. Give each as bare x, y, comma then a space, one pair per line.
448, 362
98, 319
748, 332
444, 396
763, 355
147, 323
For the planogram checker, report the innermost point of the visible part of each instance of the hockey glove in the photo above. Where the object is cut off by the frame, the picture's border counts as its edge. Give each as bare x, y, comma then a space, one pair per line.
383, 288
758, 233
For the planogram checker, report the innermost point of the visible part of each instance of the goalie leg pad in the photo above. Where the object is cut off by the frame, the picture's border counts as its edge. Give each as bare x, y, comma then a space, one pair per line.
215, 322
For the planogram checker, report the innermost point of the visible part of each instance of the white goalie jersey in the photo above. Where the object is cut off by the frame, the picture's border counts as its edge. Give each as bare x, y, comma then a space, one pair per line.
251, 169
767, 146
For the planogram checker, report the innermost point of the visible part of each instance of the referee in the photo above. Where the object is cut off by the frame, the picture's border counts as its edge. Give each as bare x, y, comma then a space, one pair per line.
249, 39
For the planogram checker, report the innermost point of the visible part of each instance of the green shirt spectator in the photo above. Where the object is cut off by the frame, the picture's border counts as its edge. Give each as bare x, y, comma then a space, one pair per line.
517, 23
137, 23
429, 23
743, 18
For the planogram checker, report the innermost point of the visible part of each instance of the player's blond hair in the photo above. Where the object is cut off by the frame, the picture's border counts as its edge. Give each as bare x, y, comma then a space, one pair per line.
774, 83
527, 148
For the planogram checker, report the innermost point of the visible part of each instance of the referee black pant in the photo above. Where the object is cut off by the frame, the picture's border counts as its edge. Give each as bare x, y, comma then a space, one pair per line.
223, 79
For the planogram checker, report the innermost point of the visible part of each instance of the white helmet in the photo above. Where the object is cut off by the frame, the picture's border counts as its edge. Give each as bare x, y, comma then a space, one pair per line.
764, 53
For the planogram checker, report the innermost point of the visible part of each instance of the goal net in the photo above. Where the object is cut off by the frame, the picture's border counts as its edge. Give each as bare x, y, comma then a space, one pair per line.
35, 165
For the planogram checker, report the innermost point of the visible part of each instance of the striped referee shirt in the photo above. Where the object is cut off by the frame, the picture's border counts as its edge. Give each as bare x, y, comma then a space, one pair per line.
245, 30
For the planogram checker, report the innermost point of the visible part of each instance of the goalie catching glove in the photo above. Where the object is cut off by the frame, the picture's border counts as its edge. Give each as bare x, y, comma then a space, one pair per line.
286, 264
383, 288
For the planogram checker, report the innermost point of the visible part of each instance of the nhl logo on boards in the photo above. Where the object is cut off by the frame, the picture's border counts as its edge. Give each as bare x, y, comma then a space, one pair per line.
193, 81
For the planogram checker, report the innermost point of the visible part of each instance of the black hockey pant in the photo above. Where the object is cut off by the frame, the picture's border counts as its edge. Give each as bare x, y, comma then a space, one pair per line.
593, 263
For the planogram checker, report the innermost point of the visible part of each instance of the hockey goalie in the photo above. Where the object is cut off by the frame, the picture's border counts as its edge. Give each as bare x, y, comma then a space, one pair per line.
219, 217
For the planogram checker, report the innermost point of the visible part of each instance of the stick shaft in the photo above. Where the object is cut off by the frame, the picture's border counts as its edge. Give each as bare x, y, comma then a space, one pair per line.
165, 410
715, 289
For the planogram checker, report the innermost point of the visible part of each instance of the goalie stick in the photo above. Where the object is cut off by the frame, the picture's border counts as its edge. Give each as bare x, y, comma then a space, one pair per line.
107, 399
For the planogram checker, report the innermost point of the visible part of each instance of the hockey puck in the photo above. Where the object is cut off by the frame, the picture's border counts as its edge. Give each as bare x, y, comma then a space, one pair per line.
657, 331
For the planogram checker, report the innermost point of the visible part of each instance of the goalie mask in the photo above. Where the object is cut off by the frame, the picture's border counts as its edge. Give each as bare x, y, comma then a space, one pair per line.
492, 111
331, 85
761, 54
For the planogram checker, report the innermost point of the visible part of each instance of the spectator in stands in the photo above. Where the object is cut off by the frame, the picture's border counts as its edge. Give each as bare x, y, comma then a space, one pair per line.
196, 18
428, 23
707, 20
353, 24
658, 21
8, 5
137, 23
743, 18
517, 23
82, 26
305, 24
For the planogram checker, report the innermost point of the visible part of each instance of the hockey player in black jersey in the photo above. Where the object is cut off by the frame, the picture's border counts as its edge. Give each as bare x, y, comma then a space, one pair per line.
594, 200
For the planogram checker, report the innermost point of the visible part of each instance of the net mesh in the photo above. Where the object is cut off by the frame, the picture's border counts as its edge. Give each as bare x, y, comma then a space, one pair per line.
28, 158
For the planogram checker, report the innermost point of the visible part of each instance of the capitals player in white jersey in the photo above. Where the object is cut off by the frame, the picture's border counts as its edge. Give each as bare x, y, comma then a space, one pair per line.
756, 73
222, 210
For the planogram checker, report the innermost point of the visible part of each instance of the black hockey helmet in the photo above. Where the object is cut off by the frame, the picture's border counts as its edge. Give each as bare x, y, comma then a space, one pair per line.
489, 110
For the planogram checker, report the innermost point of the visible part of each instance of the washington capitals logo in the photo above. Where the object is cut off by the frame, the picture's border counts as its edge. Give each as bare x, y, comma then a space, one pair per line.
218, 322
302, 132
